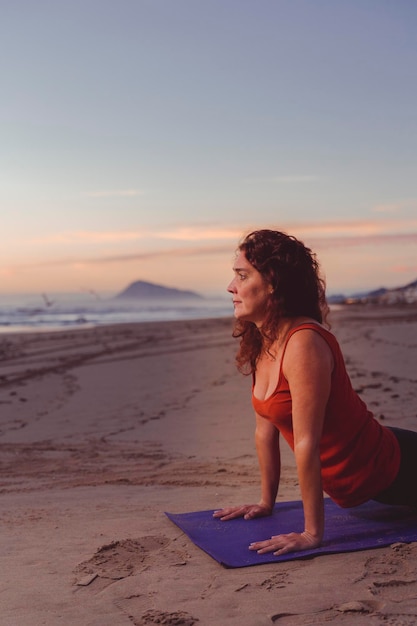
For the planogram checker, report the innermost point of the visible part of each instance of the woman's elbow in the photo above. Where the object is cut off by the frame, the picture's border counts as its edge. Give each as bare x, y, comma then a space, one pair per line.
307, 448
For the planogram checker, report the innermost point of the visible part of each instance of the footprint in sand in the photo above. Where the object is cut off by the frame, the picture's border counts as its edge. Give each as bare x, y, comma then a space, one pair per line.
355, 612
119, 559
177, 618
276, 581
392, 575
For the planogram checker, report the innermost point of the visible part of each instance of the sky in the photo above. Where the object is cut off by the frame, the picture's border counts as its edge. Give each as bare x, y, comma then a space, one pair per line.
141, 139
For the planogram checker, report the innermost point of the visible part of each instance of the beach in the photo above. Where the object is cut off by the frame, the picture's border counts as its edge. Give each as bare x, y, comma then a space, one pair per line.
104, 429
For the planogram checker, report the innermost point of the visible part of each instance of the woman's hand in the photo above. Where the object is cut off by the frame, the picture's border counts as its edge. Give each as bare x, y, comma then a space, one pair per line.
247, 511
282, 544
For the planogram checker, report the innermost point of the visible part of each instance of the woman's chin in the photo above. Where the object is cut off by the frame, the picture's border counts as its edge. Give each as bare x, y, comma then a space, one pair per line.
239, 315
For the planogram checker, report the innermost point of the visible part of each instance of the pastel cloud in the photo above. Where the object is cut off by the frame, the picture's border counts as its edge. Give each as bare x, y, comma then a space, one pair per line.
117, 193
294, 179
387, 208
210, 239
137, 256
403, 269
200, 233
359, 228
400, 206
90, 237
285, 179
193, 233
370, 240
181, 233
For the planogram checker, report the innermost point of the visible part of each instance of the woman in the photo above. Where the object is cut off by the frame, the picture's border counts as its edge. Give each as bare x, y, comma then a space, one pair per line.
301, 390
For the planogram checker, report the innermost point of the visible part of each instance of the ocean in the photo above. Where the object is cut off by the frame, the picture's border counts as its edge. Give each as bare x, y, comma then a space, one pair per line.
34, 313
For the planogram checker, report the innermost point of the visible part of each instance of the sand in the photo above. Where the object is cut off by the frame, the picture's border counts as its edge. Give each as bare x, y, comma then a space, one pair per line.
102, 430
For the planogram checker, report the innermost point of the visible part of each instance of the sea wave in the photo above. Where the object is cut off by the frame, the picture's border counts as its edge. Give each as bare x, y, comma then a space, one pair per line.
29, 314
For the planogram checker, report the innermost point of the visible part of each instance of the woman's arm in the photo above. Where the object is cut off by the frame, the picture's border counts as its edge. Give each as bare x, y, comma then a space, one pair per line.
267, 448
269, 459
307, 366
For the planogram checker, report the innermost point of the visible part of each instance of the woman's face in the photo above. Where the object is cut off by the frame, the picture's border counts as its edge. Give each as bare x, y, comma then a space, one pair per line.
250, 291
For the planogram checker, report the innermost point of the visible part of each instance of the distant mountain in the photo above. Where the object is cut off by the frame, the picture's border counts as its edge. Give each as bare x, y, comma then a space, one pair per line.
142, 290
336, 298
406, 294
412, 285
376, 293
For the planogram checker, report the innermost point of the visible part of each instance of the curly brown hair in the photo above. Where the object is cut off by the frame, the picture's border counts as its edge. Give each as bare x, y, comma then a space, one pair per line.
293, 272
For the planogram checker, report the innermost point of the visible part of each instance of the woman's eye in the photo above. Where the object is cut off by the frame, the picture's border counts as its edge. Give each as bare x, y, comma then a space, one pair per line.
242, 276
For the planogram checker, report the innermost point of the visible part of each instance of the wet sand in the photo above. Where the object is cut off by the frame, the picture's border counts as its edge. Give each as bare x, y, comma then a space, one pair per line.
102, 430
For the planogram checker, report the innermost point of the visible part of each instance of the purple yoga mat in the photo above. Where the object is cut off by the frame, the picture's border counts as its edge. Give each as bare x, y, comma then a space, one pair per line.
370, 525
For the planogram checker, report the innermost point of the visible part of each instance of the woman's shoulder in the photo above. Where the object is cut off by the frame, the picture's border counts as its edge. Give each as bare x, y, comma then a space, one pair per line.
308, 323
310, 343
309, 333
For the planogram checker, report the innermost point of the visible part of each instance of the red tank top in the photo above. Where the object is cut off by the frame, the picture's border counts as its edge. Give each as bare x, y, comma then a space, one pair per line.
359, 457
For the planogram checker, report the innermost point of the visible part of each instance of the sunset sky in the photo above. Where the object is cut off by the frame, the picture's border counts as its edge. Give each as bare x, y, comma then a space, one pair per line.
141, 138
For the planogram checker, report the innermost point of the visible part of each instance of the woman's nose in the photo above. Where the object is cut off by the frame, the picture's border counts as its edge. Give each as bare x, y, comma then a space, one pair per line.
231, 287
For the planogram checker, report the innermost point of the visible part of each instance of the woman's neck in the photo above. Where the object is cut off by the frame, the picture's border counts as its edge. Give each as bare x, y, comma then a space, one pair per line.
272, 348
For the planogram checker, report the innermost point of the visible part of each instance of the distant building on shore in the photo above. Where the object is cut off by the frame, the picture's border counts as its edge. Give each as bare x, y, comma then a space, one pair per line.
398, 295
